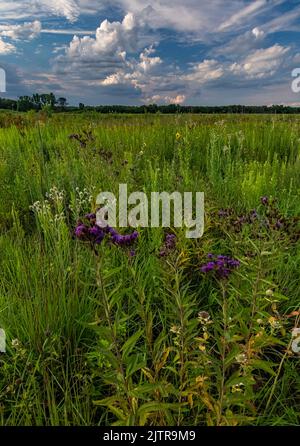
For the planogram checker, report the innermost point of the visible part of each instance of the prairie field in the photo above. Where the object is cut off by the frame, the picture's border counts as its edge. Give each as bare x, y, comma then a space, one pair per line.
162, 330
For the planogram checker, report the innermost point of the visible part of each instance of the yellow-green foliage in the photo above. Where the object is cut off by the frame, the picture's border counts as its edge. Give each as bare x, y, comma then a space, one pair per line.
150, 339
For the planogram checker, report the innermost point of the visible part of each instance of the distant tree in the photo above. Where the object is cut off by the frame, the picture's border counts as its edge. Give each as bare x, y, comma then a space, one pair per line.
48, 99
62, 102
152, 108
47, 102
36, 99
44, 98
52, 100
8, 104
24, 103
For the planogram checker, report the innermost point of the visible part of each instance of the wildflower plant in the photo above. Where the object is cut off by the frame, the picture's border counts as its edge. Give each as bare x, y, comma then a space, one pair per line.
221, 266
87, 230
156, 329
169, 245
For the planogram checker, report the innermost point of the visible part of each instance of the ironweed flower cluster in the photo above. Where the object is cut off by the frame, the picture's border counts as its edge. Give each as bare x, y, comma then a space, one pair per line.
89, 231
274, 220
263, 223
122, 240
264, 200
221, 266
236, 222
169, 245
83, 138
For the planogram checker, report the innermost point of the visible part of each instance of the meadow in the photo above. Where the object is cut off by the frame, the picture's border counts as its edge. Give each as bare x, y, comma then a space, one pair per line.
162, 330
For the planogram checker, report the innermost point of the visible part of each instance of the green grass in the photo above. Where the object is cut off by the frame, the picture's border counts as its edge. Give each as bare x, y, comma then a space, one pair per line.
114, 339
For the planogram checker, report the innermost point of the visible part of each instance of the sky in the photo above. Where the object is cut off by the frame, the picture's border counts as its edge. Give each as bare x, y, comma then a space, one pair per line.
191, 52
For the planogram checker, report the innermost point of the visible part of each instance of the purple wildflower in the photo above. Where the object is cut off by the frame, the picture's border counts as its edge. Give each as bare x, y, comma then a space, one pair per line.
224, 212
170, 241
169, 244
253, 214
134, 235
219, 257
95, 231
99, 238
233, 263
208, 267
91, 232
264, 200
221, 265
81, 230
111, 231
117, 239
122, 240
91, 216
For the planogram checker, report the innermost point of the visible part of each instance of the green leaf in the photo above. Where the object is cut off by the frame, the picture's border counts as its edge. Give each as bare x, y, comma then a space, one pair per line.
147, 409
130, 343
263, 365
134, 363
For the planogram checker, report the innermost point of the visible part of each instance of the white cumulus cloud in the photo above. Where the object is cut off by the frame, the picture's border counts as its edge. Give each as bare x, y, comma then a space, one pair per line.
111, 39
146, 62
6, 48
176, 99
65, 8
179, 99
261, 63
25, 31
258, 33
18, 10
204, 72
137, 73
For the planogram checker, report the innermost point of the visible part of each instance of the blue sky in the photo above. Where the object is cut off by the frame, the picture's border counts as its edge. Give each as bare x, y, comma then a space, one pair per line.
144, 51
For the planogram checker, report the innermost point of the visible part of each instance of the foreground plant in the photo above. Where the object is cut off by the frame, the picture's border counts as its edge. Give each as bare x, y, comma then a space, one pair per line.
220, 265
87, 230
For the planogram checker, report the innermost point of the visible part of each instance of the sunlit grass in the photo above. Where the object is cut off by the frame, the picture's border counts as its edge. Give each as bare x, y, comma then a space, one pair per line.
114, 339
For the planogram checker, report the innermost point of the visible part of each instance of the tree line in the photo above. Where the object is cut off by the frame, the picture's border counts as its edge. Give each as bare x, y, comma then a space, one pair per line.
34, 102
49, 101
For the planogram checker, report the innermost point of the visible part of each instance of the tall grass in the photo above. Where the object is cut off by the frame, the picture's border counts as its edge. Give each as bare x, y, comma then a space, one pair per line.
113, 339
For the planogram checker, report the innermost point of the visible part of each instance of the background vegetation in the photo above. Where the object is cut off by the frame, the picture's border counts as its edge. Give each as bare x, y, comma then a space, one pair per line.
148, 337
48, 101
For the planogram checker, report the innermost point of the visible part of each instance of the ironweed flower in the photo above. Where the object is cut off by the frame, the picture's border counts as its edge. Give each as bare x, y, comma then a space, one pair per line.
94, 234
221, 265
264, 200
253, 214
90, 217
81, 230
122, 240
225, 212
169, 244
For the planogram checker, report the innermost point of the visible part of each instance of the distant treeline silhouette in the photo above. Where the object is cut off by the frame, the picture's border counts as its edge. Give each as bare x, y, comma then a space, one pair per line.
49, 101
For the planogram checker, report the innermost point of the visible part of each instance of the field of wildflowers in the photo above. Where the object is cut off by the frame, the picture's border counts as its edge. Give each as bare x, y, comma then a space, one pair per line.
146, 327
